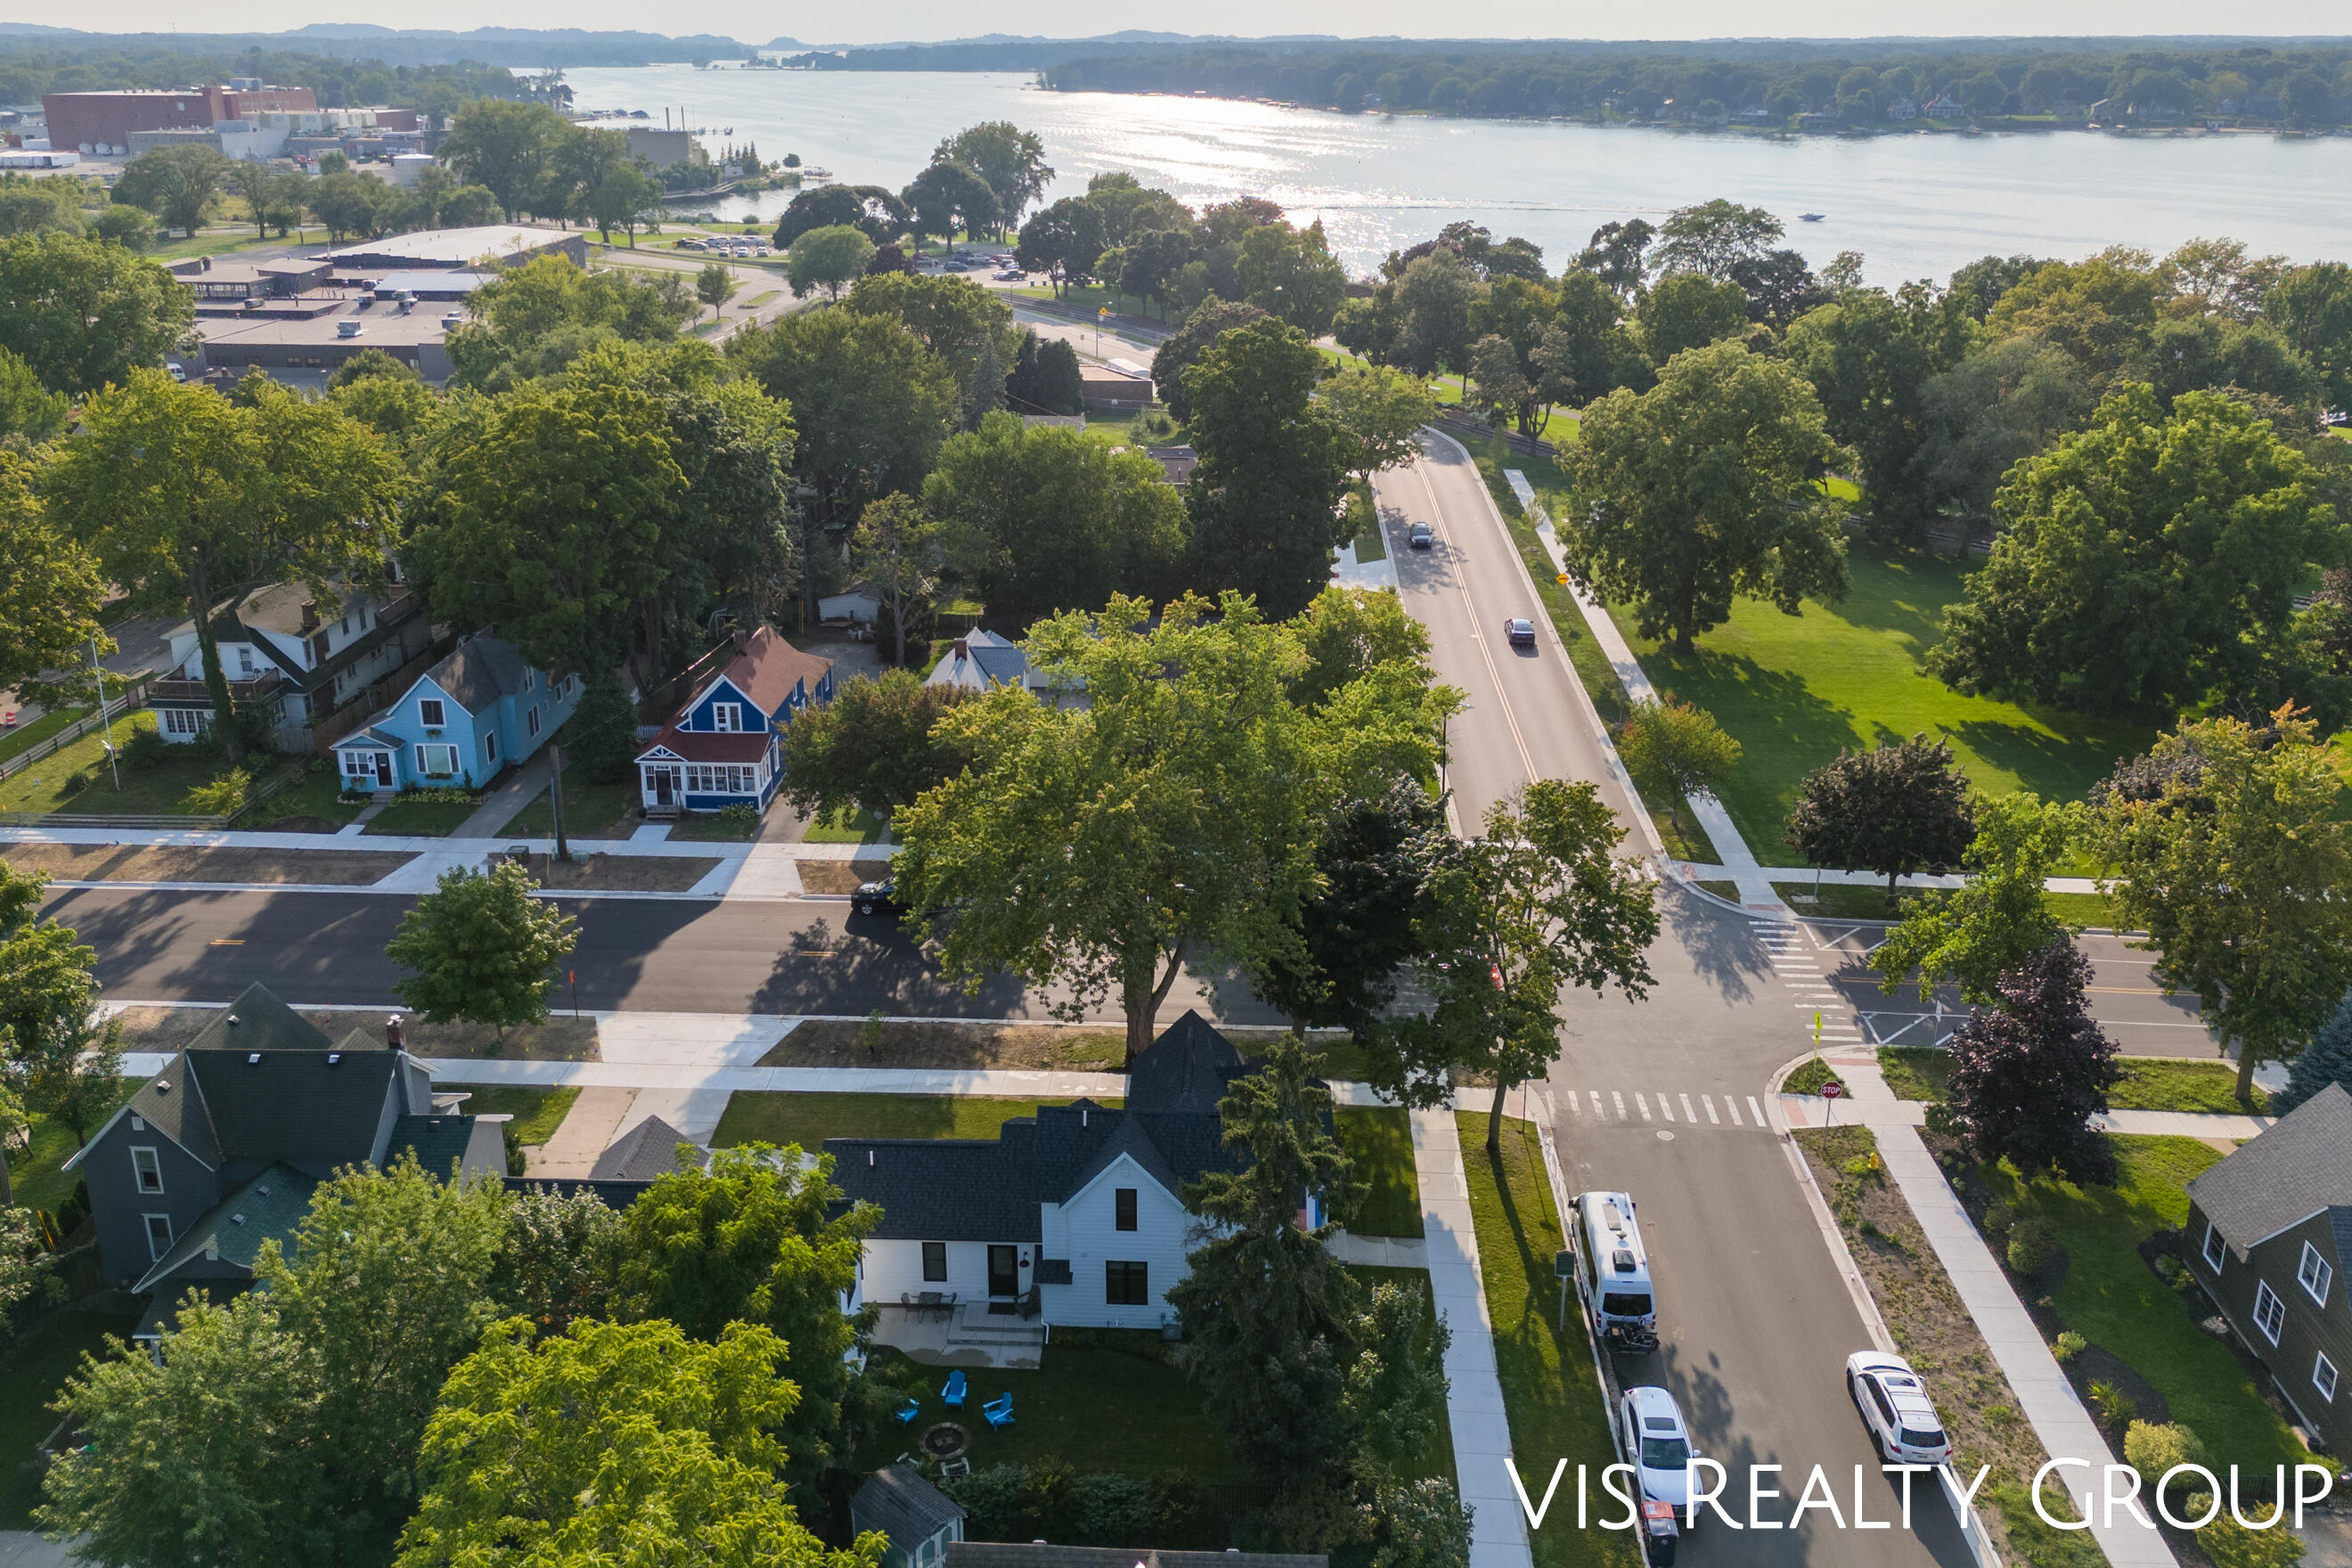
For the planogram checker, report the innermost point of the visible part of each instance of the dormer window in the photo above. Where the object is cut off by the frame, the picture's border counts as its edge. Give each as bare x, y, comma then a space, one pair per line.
727, 717
431, 713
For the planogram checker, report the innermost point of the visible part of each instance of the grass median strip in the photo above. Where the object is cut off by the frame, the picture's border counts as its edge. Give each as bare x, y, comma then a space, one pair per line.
1379, 1141
176, 863
764, 1116
2149, 1083
1550, 1395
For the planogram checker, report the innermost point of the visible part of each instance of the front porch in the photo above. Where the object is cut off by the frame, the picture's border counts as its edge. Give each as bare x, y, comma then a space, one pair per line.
969, 1336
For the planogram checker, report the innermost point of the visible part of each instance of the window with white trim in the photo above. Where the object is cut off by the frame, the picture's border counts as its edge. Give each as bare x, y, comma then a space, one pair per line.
935, 1263
148, 1170
491, 747
718, 778
529, 679
531, 721
431, 713
2270, 1312
727, 716
2214, 1249
436, 761
2315, 1274
186, 721
2323, 1377
159, 1236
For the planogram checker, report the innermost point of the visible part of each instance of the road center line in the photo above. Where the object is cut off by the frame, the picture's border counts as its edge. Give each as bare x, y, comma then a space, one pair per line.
1477, 634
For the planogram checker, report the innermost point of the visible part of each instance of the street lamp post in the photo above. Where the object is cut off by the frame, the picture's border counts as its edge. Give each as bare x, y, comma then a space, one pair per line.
105, 716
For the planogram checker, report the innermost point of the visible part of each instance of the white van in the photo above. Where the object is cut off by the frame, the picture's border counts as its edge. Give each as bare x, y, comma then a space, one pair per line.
1613, 1272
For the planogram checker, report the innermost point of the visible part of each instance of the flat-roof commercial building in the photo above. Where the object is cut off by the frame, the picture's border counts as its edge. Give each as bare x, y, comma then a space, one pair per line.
304, 350
509, 243
88, 122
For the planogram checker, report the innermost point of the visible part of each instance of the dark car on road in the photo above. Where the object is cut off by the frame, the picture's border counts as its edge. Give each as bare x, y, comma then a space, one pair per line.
1521, 631
878, 897
1420, 538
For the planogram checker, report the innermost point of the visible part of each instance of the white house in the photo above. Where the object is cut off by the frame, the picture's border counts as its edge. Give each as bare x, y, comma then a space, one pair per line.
980, 661
283, 647
1074, 1215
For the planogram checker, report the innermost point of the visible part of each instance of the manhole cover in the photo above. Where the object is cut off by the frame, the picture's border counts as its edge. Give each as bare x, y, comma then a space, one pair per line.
945, 1441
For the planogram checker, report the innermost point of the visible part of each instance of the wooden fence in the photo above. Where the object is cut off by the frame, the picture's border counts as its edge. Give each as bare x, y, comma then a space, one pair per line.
118, 709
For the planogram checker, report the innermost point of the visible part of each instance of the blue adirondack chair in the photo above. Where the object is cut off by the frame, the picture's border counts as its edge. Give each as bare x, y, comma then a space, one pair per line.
907, 1412
952, 1395
999, 1411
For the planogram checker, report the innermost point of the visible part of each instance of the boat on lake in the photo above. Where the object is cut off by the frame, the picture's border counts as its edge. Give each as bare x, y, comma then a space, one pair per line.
1811, 217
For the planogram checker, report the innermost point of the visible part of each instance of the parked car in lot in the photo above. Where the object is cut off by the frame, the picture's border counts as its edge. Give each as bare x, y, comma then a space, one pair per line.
878, 897
1896, 1409
1521, 631
1011, 275
1419, 537
1657, 1444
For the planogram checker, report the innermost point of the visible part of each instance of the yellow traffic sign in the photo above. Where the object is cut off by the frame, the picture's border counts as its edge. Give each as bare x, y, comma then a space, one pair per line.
1563, 579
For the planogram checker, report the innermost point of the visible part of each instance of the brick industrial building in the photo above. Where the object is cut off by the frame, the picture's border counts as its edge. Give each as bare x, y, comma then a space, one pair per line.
88, 120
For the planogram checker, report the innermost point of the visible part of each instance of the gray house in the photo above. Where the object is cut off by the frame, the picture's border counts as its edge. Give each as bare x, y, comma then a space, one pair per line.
221, 1150
919, 1520
2272, 1229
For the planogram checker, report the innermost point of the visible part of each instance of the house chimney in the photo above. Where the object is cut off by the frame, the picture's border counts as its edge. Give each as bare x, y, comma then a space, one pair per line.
963, 648
395, 1032
309, 615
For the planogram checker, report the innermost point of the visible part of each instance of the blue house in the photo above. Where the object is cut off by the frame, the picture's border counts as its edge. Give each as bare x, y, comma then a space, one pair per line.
724, 746
481, 709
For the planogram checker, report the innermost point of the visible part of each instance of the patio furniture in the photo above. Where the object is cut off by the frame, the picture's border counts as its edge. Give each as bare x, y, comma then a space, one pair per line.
908, 1411
999, 1411
953, 1395
950, 1469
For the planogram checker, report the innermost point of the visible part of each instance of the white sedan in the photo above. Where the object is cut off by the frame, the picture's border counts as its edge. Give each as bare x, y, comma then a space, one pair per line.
1896, 1409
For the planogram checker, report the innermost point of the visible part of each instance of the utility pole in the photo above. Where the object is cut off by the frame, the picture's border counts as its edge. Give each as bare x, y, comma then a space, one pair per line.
105, 717
555, 801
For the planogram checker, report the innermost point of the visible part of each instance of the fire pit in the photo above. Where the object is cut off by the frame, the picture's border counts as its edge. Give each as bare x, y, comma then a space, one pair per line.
945, 1441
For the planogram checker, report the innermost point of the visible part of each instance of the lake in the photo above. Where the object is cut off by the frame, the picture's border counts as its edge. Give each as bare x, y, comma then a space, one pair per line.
1916, 205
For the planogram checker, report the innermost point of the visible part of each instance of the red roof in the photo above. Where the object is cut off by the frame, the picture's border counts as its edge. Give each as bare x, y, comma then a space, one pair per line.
767, 667
703, 746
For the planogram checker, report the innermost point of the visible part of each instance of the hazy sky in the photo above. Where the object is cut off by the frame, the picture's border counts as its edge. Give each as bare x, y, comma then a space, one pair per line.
756, 22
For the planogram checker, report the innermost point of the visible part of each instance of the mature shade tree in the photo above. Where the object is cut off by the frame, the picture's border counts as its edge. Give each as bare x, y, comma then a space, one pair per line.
1617, 257
827, 258
875, 747
1676, 748
506, 146
1364, 924
1689, 311
60, 1053
31, 207
947, 199
1780, 287
1433, 298
880, 214
1064, 240
559, 1260
1265, 497
189, 498
714, 285
1982, 417
2326, 1059
1970, 935
1593, 353
1383, 410
1044, 378
542, 510
617, 1442
2240, 872
898, 551
178, 184
1177, 812
1183, 348
1870, 369
534, 320
871, 405
482, 949
2029, 1072
592, 177
970, 329
1498, 384
1052, 521
84, 314
2148, 560
1350, 633
2312, 308
1897, 808
599, 740
1291, 274
1153, 259
1011, 161
1703, 488
1536, 905
1271, 1314
346, 203
1713, 238
2100, 311
51, 593
753, 1239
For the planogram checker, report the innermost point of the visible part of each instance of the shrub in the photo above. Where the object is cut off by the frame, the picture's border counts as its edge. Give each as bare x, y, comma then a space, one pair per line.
2113, 1404
2232, 1546
2173, 1272
2069, 1346
145, 750
1997, 1221
74, 784
2152, 1448
2032, 1243
740, 812
221, 797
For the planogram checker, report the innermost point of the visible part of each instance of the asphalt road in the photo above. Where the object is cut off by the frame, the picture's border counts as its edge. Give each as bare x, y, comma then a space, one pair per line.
1661, 1098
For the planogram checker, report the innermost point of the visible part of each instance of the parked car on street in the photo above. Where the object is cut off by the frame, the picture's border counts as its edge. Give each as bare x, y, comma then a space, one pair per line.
1896, 1409
1657, 1444
1420, 537
1521, 631
878, 897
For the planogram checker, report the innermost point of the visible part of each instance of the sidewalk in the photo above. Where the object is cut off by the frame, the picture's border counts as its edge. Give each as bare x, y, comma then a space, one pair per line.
507, 799
1473, 1394
2065, 1430
1810, 1110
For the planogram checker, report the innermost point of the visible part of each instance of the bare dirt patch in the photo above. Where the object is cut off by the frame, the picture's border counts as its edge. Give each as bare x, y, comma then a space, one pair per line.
827, 1044
178, 863
560, 1039
840, 876
624, 873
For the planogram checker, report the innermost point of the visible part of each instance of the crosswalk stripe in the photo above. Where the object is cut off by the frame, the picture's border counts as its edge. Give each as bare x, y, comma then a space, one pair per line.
1712, 1119
1732, 1105
1620, 1101
1598, 1113
1757, 1108
1667, 1109
1689, 1114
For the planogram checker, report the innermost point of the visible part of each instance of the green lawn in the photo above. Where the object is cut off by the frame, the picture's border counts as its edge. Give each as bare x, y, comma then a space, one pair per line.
2115, 1300
864, 827
320, 795
214, 243
1379, 1141
537, 1112
710, 827
417, 817
1549, 1390
1807, 1078
763, 1116
1916, 1072
75, 778
1439, 1460
1843, 901
590, 811
37, 1173
24, 737
1371, 539
2149, 1083
35, 1369
2081, 909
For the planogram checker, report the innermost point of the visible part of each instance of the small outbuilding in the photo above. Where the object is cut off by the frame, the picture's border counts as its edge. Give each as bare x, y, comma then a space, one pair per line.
919, 1519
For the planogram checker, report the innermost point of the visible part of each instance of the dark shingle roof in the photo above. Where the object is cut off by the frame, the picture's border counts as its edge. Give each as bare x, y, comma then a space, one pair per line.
439, 1143
1034, 1554
1130, 1137
942, 1189
2300, 1164
311, 1107
478, 672
645, 1152
1187, 1068
907, 1507
266, 1207
259, 1021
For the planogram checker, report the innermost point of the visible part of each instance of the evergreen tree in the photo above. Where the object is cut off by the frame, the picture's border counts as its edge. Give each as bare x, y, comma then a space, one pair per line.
2327, 1059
